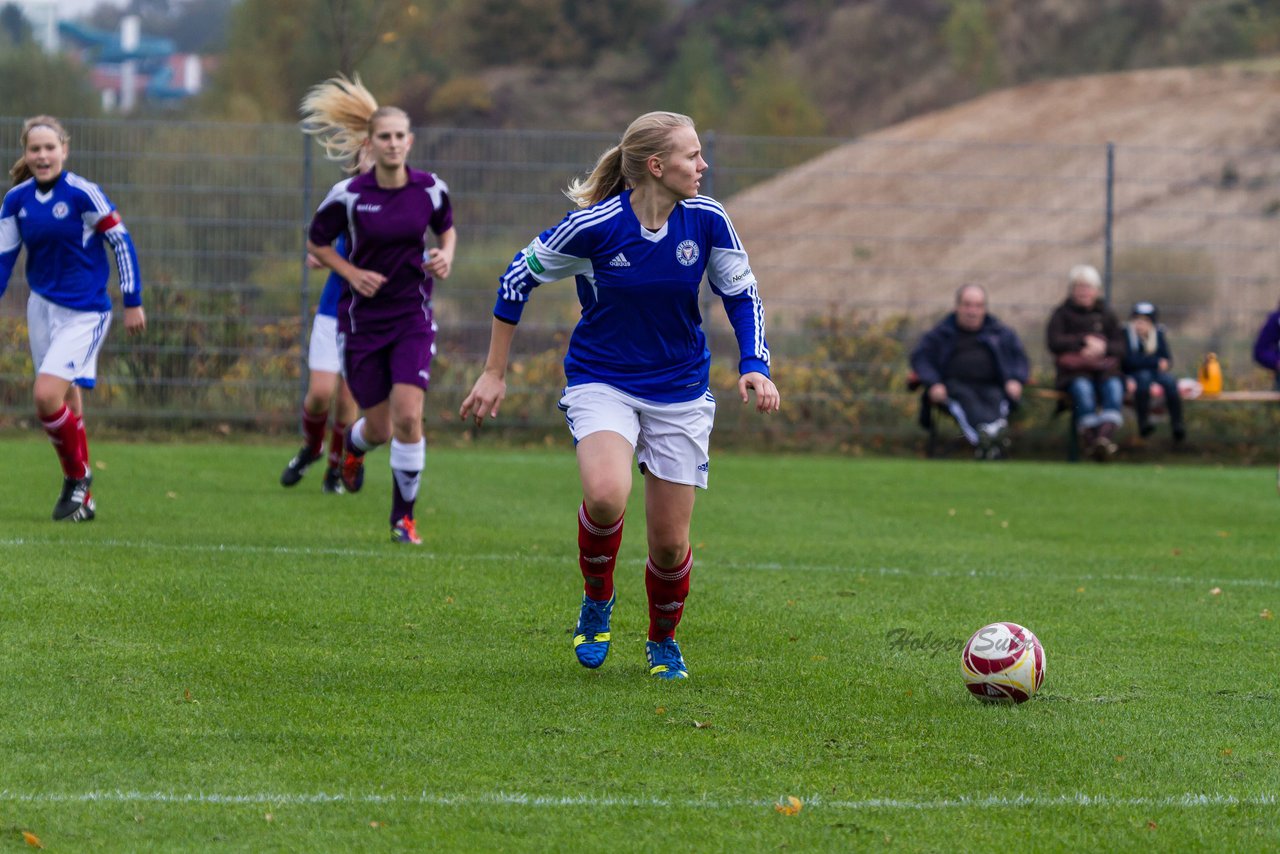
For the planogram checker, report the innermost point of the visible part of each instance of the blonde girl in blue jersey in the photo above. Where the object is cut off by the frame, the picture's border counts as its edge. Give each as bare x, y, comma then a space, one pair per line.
65, 222
637, 366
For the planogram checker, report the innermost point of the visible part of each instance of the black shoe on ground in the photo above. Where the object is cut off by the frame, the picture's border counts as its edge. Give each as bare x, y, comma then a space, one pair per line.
298, 466
75, 504
1146, 430
332, 481
1179, 433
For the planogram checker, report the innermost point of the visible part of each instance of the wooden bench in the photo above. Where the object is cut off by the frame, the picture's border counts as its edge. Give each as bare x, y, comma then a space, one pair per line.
1064, 404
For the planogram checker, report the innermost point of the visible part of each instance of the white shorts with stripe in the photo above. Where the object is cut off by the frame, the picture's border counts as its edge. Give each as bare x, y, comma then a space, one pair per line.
65, 342
323, 354
672, 440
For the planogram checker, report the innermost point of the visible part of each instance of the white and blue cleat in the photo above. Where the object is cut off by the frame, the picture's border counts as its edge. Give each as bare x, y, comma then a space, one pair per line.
665, 660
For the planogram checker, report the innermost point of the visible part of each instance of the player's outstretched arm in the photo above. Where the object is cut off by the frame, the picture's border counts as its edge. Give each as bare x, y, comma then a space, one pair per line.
767, 397
491, 386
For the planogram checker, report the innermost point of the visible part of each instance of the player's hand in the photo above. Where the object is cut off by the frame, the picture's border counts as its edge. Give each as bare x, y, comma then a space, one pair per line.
367, 282
938, 394
485, 398
767, 397
314, 263
135, 320
438, 263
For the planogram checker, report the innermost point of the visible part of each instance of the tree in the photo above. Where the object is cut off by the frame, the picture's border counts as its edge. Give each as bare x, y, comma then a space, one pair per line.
278, 48
557, 33
15, 26
774, 102
33, 82
971, 38
696, 84
356, 26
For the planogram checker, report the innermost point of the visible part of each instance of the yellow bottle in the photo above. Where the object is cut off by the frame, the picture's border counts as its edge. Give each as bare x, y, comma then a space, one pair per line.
1210, 375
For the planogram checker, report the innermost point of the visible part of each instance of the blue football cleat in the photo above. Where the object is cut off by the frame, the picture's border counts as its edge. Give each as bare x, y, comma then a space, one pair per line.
591, 637
665, 660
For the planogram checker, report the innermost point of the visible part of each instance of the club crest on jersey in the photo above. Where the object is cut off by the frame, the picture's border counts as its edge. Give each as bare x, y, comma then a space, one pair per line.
687, 253
60, 210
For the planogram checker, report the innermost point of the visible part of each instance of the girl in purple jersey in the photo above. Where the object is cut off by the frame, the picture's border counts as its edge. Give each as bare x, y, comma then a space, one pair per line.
65, 221
639, 246
386, 327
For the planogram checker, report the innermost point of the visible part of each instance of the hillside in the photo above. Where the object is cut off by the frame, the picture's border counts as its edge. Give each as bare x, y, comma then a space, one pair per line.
1008, 190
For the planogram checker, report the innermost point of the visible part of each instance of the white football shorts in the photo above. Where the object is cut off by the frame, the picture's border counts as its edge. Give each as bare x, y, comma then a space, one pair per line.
324, 355
65, 342
672, 440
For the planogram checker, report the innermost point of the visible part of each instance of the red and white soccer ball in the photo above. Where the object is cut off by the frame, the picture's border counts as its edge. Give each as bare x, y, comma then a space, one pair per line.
1003, 663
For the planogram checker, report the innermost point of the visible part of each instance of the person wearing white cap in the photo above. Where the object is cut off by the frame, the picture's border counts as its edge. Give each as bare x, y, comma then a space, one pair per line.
1146, 362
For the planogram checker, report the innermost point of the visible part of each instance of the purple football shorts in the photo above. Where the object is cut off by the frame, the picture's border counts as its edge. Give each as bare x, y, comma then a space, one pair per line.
374, 361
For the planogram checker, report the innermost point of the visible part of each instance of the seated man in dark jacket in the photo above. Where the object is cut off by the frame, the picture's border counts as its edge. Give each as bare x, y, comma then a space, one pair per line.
975, 366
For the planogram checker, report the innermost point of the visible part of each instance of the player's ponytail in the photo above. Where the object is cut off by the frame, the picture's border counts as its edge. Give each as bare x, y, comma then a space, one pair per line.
604, 181
623, 165
339, 113
19, 171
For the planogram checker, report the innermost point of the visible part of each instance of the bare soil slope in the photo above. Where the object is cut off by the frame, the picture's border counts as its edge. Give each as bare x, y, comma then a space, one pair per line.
1009, 190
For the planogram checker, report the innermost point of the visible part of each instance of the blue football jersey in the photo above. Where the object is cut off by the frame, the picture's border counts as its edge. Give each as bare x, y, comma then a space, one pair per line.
641, 327
64, 229
334, 284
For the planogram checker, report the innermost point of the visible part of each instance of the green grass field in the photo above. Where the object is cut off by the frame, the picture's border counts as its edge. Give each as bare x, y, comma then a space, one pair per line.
217, 663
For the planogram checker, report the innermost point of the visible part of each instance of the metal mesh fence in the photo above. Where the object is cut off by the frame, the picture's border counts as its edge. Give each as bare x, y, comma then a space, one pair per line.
859, 246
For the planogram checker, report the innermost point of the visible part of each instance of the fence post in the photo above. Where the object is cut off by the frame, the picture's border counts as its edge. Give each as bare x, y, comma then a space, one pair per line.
1107, 236
304, 330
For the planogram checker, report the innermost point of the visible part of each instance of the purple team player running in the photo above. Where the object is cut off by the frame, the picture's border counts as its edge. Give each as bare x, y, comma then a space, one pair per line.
386, 328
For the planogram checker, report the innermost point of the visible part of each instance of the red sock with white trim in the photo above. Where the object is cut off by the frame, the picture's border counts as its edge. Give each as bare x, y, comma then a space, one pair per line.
336, 439
667, 589
83, 443
597, 554
65, 430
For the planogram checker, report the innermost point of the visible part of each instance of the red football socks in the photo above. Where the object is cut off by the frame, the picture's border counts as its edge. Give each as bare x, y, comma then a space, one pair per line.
667, 589
597, 553
336, 434
66, 432
313, 430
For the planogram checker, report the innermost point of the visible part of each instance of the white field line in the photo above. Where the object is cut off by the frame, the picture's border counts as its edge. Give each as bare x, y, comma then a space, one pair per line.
513, 557
1188, 800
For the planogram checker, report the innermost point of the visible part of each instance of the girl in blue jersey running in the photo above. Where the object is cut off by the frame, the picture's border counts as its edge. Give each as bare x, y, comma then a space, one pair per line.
65, 221
327, 393
638, 364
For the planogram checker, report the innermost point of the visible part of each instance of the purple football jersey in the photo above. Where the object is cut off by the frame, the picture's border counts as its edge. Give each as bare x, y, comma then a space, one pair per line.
387, 232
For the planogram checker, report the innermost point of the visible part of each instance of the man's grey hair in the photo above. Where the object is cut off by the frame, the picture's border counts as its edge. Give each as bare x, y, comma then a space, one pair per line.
1086, 275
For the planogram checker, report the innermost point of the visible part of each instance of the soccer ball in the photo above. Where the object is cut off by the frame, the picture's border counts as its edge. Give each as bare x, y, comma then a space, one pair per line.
1003, 663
